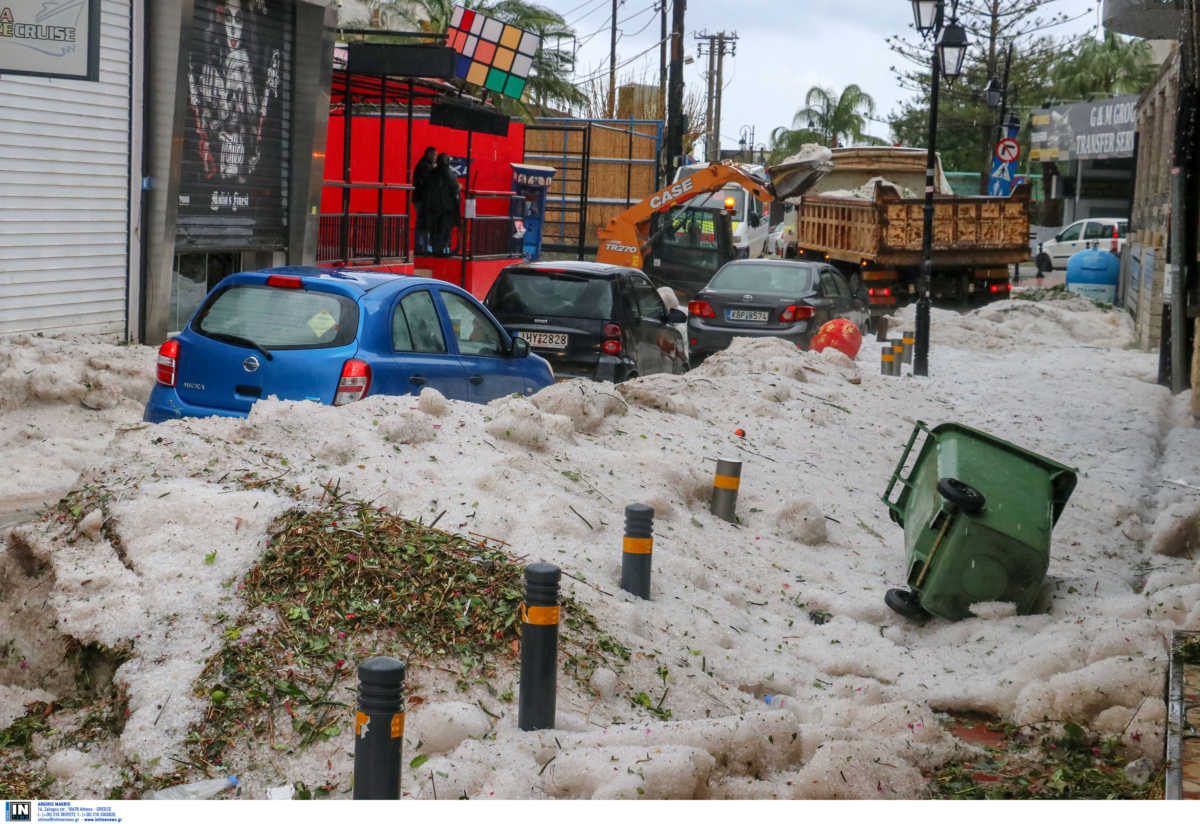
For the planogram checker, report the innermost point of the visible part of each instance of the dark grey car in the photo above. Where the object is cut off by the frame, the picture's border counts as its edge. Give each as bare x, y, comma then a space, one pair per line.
762, 298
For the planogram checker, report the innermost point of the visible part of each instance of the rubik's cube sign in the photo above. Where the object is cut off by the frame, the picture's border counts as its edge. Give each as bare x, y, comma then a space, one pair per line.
491, 54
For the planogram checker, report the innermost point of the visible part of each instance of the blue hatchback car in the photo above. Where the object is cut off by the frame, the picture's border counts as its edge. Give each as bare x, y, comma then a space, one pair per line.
335, 336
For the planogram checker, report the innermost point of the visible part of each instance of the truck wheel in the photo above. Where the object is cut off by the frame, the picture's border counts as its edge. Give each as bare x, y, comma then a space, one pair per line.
966, 497
905, 603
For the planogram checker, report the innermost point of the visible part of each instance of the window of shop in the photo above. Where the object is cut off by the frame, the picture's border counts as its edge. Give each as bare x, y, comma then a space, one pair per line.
195, 273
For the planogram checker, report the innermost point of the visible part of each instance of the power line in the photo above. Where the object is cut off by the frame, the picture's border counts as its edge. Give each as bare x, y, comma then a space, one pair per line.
597, 73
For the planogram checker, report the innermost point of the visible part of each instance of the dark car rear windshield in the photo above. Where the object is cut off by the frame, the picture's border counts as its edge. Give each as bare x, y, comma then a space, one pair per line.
769, 278
277, 318
551, 294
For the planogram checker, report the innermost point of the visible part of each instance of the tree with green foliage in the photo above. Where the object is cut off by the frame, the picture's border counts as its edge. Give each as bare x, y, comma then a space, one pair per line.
547, 84
967, 126
1103, 68
827, 117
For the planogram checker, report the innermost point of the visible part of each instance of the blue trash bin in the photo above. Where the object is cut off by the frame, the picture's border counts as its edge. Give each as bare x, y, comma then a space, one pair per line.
1094, 273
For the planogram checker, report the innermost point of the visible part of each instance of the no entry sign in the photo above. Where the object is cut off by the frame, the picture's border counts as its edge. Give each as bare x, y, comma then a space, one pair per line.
1008, 149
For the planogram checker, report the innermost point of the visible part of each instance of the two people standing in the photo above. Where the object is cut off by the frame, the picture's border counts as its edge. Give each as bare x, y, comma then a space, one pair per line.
436, 198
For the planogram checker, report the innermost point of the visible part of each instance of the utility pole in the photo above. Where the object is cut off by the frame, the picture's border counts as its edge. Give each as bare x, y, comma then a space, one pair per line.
675, 90
715, 45
612, 65
723, 41
662, 60
705, 46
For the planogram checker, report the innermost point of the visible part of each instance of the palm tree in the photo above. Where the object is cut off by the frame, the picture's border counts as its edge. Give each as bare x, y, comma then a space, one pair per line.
1101, 68
547, 85
838, 118
786, 142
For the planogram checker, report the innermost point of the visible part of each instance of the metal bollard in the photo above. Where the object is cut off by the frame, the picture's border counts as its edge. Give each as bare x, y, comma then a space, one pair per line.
909, 338
885, 359
539, 648
379, 729
897, 355
881, 329
725, 489
638, 549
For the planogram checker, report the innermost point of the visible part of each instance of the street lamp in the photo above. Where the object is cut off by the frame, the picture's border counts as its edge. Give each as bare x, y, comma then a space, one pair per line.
746, 140
950, 49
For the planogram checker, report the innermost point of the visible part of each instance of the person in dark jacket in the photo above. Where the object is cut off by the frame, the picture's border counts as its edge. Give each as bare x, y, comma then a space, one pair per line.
420, 184
441, 202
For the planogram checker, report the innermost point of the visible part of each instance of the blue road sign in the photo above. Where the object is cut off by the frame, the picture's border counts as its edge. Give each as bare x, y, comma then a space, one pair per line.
1004, 163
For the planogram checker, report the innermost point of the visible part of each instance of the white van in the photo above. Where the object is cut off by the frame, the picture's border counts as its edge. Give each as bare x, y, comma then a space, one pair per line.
1080, 235
750, 219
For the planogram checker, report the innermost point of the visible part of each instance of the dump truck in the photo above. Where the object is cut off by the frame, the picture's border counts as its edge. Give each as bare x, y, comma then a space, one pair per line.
866, 216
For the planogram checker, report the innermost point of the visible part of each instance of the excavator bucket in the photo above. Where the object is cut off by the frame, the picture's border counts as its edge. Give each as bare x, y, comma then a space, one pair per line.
800, 172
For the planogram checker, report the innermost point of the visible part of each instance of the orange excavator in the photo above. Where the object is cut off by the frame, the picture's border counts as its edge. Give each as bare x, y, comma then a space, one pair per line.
626, 238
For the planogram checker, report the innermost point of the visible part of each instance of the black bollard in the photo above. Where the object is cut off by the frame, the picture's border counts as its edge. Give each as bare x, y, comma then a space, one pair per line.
379, 729
638, 549
539, 648
725, 489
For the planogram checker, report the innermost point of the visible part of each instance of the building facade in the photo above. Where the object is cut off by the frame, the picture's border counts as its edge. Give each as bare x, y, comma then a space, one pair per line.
188, 143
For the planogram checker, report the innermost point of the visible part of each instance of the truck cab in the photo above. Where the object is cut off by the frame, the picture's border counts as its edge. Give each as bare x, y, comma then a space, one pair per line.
750, 223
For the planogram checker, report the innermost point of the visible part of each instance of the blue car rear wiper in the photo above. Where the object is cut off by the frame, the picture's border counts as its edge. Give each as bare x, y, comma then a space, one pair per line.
238, 339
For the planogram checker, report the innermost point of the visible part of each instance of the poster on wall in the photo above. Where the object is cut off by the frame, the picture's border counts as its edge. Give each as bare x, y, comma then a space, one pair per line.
233, 190
50, 38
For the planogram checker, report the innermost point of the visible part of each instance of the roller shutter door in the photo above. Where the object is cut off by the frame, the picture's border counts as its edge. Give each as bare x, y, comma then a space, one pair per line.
64, 191
233, 186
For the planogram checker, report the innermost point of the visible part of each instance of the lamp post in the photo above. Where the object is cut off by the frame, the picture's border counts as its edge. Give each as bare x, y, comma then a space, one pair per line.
950, 47
746, 142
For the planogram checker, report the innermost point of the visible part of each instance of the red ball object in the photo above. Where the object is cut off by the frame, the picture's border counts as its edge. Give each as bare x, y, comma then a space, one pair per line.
741, 433
839, 333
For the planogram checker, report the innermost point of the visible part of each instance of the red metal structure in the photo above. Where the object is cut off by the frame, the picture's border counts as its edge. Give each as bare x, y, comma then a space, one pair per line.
366, 209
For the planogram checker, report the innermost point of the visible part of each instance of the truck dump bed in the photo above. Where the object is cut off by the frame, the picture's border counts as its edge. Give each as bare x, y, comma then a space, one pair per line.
887, 229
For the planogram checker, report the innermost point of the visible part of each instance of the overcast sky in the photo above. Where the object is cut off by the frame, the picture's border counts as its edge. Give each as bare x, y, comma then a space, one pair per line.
783, 48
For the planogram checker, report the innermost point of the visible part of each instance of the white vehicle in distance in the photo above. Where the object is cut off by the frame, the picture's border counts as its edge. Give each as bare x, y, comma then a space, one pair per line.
1080, 235
750, 227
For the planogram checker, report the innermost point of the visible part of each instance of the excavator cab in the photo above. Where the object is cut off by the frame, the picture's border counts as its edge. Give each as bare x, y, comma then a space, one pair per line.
692, 244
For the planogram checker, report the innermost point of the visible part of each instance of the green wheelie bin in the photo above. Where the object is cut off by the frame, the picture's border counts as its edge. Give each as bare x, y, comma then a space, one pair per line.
977, 514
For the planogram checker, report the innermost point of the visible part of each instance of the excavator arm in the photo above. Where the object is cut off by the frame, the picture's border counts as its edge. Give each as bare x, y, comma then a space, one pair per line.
626, 237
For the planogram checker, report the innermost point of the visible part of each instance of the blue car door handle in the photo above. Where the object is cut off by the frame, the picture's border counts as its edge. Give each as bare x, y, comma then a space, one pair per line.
417, 379
476, 379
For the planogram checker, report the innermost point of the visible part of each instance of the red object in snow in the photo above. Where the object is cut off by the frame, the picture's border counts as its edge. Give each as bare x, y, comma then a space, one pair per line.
839, 333
741, 433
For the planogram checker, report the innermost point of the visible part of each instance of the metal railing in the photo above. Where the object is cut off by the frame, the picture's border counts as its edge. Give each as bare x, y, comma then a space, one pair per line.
365, 237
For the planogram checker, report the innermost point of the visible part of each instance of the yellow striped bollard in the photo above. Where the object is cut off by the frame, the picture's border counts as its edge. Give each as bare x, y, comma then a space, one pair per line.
885, 359
637, 551
539, 648
379, 729
725, 489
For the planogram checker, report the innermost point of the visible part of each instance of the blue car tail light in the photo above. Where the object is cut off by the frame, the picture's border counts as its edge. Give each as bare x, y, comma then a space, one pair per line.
354, 382
168, 357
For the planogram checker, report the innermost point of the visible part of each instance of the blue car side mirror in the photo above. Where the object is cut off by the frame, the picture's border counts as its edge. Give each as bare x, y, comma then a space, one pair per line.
519, 348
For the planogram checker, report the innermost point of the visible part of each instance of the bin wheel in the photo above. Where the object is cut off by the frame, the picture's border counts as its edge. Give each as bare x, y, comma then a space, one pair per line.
905, 603
966, 497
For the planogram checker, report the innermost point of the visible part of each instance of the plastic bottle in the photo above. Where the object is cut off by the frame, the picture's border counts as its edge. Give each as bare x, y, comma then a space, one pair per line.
780, 702
194, 790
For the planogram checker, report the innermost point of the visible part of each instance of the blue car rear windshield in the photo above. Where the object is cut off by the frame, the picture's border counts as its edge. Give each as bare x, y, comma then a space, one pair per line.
553, 294
277, 318
768, 278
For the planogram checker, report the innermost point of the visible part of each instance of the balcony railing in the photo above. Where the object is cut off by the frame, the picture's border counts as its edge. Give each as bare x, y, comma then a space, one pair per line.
365, 238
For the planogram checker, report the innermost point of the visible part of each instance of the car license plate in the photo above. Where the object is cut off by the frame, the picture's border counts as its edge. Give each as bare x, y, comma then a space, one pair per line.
546, 340
745, 314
